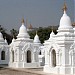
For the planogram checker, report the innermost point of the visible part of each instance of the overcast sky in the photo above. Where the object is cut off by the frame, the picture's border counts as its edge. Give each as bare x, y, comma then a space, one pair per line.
39, 13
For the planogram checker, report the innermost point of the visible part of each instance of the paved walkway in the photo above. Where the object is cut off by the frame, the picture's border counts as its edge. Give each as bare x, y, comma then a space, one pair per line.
7, 71
11, 71
21, 71
38, 71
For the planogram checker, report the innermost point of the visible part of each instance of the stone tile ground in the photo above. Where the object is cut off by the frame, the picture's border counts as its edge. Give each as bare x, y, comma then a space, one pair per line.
11, 71
7, 71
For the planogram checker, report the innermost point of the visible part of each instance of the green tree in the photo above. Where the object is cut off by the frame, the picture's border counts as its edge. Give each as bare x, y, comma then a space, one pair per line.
43, 33
14, 33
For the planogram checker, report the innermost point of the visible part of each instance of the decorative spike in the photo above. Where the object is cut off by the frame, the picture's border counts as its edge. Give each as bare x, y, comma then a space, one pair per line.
22, 20
65, 6
30, 26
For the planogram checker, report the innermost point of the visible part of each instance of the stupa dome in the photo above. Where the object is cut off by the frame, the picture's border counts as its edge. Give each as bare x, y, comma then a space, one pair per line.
65, 21
36, 39
23, 31
22, 28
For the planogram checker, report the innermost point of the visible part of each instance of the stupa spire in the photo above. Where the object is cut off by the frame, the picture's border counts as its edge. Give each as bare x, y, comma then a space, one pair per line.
64, 7
23, 31
65, 21
22, 21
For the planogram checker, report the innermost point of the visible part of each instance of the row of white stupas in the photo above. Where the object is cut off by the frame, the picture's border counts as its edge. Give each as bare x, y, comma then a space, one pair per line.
23, 52
59, 49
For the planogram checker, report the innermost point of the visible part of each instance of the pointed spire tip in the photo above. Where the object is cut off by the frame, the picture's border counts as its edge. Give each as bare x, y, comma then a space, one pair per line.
22, 20
64, 7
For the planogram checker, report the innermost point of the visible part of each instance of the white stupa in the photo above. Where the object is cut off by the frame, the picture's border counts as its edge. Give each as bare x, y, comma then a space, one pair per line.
4, 52
65, 21
23, 32
23, 53
38, 45
59, 58
36, 38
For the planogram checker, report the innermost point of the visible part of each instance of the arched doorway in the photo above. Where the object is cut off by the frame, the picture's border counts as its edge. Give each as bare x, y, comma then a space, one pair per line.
3, 55
53, 58
28, 56
12, 56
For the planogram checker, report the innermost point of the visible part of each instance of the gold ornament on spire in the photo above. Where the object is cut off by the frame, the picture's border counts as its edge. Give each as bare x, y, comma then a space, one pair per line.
64, 7
22, 20
30, 26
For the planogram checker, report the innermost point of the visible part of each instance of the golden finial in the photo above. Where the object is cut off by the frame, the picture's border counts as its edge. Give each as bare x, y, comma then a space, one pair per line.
22, 20
64, 7
30, 26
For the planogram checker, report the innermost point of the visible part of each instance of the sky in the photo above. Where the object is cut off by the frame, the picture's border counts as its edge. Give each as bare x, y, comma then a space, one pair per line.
40, 13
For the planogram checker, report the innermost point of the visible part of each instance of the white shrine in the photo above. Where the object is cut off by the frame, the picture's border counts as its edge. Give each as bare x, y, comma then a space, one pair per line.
38, 45
24, 51
60, 48
4, 50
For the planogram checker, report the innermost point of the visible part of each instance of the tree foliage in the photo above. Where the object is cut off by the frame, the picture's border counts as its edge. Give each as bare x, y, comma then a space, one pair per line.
13, 33
43, 33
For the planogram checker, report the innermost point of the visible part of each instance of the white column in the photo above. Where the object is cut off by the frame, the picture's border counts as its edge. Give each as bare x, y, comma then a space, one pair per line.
50, 60
33, 57
46, 58
73, 59
25, 57
57, 59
